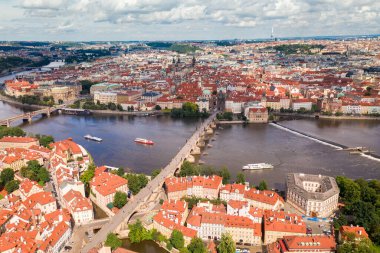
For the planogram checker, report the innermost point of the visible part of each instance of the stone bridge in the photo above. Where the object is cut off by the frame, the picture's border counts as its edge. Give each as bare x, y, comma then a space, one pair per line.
119, 222
28, 117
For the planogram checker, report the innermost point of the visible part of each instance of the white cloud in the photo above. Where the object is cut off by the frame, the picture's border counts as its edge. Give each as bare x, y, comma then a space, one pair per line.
226, 18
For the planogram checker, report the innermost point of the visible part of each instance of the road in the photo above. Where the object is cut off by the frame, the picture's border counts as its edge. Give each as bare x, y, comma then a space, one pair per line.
140, 198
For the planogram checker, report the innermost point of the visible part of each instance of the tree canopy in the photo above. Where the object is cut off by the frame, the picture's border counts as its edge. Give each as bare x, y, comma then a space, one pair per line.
362, 205
113, 241
137, 232
176, 239
120, 199
227, 244
36, 172
6, 175
240, 178
196, 246
136, 182
11, 131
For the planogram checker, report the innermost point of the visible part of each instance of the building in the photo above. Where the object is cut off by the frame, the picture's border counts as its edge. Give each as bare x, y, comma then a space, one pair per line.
359, 232
198, 186
80, 207
278, 224
304, 103
303, 244
18, 142
256, 114
151, 96
104, 186
104, 97
313, 195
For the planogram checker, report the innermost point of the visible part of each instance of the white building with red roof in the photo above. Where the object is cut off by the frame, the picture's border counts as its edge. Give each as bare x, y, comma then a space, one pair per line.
28, 187
279, 223
105, 185
80, 207
198, 186
17, 142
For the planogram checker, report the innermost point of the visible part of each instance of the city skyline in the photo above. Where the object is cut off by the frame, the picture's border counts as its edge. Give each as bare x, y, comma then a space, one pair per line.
171, 20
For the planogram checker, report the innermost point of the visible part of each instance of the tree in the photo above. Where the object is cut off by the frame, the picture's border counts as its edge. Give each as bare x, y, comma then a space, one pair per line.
227, 244
6, 176
120, 107
120, 199
45, 140
240, 178
225, 174
136, 182
87, 176
120, 172
113, 241
263, 185
196, 246
11, 131
137, 232
349, 190
157, 108
155, 173
176, 239
36, 172
12, 186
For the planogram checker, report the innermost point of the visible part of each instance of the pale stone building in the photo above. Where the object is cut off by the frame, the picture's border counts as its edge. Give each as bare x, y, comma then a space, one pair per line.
313, 195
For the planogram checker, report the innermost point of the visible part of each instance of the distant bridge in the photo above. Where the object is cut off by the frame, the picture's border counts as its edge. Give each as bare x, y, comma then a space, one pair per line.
28, 117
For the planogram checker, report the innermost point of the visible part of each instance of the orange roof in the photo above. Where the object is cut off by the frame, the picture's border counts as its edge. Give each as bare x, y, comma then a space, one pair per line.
18, 139
358, 231
283, 222
107, 183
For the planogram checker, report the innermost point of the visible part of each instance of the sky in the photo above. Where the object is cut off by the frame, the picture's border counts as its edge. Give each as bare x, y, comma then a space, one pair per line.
85, 20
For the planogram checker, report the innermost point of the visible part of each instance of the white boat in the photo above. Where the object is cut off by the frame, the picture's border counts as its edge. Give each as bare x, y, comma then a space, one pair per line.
258, 166
93, 138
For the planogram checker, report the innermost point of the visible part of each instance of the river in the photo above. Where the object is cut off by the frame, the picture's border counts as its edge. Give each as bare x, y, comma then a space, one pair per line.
234, 145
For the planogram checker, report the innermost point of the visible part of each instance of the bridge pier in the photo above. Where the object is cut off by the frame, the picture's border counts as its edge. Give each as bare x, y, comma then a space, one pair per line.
209, 130
201, 143
190, 159
196, 151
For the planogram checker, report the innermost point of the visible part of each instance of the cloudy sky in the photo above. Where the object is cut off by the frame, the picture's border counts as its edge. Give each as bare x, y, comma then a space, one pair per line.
184, 19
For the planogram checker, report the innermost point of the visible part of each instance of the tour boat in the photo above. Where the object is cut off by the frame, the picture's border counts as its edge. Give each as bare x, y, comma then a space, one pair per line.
144, 141
258, 166
93, 138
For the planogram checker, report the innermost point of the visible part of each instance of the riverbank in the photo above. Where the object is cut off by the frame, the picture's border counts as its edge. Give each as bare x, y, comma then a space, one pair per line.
138, 113
343, 117
221, 122
26, 106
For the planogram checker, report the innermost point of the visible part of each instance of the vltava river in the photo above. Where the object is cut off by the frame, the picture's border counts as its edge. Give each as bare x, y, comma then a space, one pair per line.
234, 145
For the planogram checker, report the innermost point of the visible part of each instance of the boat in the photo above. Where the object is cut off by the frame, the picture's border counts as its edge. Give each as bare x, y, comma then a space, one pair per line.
93, 138
258, 166
144, 141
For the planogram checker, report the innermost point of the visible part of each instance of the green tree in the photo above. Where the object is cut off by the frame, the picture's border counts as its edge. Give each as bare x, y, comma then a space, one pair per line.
12, 186
176, 239
157, 108
120, 172
6, 175
137, 232
240, 178
227, 244
36, 172
120, 199
11, 131
196, 246
225, 174
136, 182
45, 140
120, 107
88, 174
113, 241
262, 185
349, 190
188, 169
155, 173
